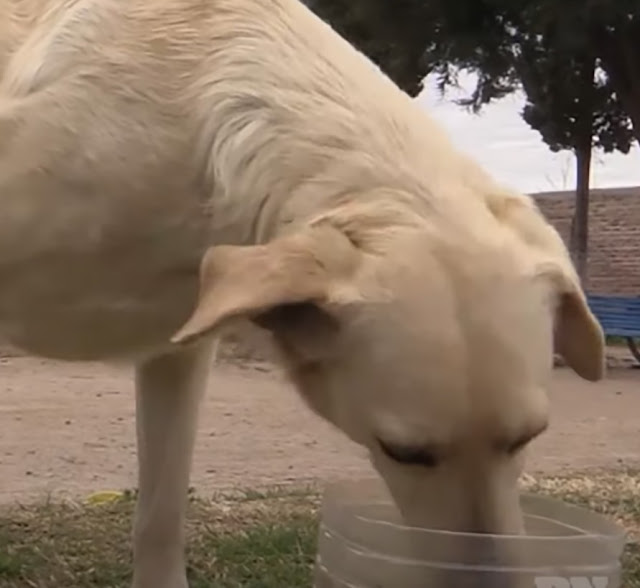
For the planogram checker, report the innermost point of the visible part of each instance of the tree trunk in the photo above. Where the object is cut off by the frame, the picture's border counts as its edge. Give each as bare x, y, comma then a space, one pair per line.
580, 232
583, 149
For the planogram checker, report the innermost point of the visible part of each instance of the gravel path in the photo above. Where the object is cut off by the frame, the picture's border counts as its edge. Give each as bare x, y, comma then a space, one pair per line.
68, 429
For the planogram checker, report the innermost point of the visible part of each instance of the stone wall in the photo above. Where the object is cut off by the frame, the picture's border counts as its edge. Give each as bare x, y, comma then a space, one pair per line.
614, 236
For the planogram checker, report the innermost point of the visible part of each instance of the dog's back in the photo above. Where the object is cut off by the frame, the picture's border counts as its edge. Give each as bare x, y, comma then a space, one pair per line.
136, 133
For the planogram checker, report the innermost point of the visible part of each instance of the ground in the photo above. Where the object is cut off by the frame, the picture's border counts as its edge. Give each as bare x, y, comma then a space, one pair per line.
68, 429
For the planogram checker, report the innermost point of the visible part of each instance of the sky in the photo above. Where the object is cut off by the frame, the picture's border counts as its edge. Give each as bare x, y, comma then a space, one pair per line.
514, 153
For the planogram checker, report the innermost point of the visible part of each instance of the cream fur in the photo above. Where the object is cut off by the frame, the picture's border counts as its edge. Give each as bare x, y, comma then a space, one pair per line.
413, 299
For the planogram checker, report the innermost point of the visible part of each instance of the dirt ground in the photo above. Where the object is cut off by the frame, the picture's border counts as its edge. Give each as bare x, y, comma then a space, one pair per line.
68, 429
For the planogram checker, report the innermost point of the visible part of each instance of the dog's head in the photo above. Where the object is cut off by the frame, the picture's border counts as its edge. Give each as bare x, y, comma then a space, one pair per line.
433, 355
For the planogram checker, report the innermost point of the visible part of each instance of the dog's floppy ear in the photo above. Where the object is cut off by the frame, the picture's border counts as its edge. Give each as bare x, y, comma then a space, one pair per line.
579, 338
306, 268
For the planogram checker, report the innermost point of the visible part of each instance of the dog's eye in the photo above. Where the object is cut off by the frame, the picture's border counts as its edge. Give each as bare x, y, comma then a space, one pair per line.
408, 455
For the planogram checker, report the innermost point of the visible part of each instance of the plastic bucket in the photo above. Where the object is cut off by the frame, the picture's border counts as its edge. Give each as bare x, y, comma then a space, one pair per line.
362, 543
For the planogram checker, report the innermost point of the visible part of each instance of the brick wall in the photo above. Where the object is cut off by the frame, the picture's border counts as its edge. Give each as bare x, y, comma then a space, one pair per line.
614, 236
614, 254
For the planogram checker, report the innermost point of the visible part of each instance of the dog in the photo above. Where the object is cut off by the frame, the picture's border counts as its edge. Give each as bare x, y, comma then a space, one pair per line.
168, 167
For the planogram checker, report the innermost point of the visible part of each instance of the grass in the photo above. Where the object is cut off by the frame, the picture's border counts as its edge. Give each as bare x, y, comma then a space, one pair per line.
616, 495
250, 539
615, 341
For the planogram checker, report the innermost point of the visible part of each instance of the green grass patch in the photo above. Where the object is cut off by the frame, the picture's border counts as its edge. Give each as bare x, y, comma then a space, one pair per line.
253, 540
247, 539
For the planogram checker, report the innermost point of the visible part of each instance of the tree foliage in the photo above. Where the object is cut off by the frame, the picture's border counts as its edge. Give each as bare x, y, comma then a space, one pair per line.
578, 62
386, 31
508, 43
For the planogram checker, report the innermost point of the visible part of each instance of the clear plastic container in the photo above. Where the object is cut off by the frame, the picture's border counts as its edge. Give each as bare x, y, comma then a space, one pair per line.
363, 544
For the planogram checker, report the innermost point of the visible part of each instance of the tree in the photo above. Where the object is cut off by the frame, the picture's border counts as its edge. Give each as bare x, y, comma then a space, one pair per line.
409, 39
387, 31
572, 107
610, 29
561, 52
619, 50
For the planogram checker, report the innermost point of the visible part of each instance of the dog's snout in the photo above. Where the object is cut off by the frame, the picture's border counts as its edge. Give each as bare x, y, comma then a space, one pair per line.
493, 509
489, 560
481, 549
483, 519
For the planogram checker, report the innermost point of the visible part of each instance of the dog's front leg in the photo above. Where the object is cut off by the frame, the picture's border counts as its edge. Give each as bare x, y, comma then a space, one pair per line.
168, 392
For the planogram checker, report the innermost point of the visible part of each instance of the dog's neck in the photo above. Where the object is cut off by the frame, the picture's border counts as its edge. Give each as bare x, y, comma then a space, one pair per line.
341, 188
367, 217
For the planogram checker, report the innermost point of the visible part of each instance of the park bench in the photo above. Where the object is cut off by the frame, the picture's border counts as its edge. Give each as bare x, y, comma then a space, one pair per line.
619, 316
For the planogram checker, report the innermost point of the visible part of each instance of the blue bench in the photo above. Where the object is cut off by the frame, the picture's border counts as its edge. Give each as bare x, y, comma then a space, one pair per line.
619, 316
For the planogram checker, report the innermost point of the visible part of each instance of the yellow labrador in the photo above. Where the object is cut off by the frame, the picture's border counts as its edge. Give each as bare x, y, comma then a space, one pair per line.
167, 166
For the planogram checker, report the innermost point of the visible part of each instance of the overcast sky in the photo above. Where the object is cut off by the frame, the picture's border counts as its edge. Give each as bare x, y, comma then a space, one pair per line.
501, 141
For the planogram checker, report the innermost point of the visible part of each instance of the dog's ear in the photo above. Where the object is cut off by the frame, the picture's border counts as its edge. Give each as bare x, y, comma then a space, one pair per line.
289, 280
578, 336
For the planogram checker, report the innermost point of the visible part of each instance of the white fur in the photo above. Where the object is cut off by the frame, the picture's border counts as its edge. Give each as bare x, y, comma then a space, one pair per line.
138, 135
